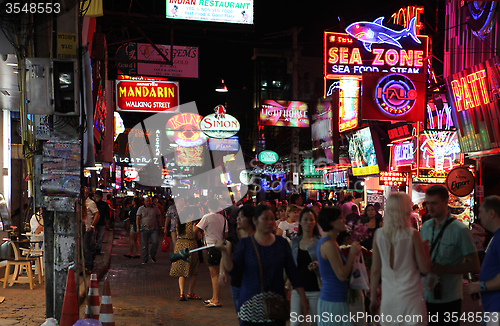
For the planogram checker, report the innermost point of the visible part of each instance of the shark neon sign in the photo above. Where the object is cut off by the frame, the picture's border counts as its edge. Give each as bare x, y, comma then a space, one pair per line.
376, 33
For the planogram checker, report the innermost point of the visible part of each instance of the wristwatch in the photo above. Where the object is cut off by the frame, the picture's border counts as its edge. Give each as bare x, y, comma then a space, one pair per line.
483, 287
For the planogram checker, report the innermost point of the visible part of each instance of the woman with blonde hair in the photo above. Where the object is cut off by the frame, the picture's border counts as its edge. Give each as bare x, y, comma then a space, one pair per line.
399, 256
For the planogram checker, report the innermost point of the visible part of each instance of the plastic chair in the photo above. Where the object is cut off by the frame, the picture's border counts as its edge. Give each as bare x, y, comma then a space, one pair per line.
18, 262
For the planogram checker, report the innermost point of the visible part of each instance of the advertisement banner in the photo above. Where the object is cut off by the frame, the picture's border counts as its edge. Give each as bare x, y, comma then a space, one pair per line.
147, 96
392, 96
239, 12
362, 153
284, 114
185, 61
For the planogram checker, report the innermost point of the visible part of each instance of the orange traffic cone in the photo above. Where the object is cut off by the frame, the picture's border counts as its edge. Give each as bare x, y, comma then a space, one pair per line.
106, 316
69, 314
93, 299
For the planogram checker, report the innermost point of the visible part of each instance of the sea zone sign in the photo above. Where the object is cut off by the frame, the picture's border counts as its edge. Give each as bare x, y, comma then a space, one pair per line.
147, 96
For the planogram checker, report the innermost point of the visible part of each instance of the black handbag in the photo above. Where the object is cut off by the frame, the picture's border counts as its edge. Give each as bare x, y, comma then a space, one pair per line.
275, 306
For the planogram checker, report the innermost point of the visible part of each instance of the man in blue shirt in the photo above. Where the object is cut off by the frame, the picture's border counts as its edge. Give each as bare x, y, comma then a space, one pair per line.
453, 255
489, 277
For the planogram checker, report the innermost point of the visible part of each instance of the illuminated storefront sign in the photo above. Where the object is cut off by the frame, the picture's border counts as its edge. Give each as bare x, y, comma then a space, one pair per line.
147, 96
284, 114
393, 179
475, 94
184, 130
228, 144
393, 97
348, 104
439, 152
338, 178
344, 55
189, 156
130, 174
404, 15
240, 12
460, 182
400, 130
119, 126
219, 124
438, 115
268, 157
403, 154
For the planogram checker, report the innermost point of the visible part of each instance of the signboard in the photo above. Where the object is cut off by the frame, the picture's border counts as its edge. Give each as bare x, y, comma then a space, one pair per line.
184, 130
404, 15
147, 96
375, 196
481, 17
348, 104
438, 113
219, 124
240, 12
393, 96
404, 154
344, 55
66, 45
185, 61
362, 153
228, 144
460, 182
474, 94
393, 179
398, 131
268, 157
246, 177
127, 51
284, 114
439, 153
130, 174
336, 179
189, 156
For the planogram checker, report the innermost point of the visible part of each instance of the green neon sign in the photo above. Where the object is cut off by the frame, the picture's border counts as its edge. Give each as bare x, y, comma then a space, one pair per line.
268, 157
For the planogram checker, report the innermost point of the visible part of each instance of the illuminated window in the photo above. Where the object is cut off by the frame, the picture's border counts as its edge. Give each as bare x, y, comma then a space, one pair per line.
264, 83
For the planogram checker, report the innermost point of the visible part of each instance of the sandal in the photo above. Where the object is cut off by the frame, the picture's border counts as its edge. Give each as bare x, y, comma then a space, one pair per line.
182, 297
207, 301
213, 305
193, 296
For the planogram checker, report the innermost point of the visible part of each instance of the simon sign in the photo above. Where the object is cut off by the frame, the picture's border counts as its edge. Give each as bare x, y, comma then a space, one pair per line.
219, 124
147, 96
268, 157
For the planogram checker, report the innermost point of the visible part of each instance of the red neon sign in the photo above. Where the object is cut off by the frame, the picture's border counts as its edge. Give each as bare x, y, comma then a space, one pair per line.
147, 96
393, 179
404, 15
184, 130
470, 91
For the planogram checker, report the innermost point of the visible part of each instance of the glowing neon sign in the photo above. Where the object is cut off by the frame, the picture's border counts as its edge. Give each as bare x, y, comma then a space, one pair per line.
184, 130
404, 15
284, 114
395, 94
470, 91
347, 56
393, 179
374, 32
403, 154
348, 104
439, 152
147, 96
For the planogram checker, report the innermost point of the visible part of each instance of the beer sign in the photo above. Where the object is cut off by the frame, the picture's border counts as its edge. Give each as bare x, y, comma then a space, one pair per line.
460, 182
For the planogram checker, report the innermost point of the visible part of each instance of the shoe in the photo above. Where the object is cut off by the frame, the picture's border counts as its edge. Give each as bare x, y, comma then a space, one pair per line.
213, 305
182, 297
127, 255
207, 301
136, 256
153, 259
193, 296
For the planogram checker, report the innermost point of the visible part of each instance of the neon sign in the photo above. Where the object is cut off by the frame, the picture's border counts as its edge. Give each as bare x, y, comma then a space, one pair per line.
470, 91
268, 157
403, 154
482, 17
284, 114
348, 104
374, 32
404, 16
401, 130
347, 56
338, 178
438, 113
395, 94
393, 179
147, 96
439, 152
219, 124
184, 130
130, 173
189, 156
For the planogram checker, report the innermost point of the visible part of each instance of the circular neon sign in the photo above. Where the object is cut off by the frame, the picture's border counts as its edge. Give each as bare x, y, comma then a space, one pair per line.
184, 130
268, 157
395, 94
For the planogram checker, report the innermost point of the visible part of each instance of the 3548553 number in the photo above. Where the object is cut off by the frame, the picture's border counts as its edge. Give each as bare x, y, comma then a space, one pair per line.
471, 317
32, 8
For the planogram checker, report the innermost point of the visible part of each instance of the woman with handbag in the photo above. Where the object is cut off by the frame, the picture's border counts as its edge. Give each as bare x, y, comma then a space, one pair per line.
186, 238
399, 256
262, 258
215, 228
334, 269
304, 254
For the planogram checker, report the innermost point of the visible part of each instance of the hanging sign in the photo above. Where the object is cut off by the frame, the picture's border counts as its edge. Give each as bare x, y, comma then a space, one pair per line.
147, 96
184, 130
268, 157
219, 124
460, 182
284, 114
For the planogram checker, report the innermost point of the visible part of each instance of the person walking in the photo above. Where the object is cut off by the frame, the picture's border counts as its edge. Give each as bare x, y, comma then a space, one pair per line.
399, 256
452, 253
334, 268
134, 234
304, 251
347, 206
100, 227
489, 276
372, 223
91, 219
215, 228
147, 223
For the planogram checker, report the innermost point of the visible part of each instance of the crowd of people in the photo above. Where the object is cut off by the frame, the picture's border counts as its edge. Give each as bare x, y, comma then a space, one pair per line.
290, 253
